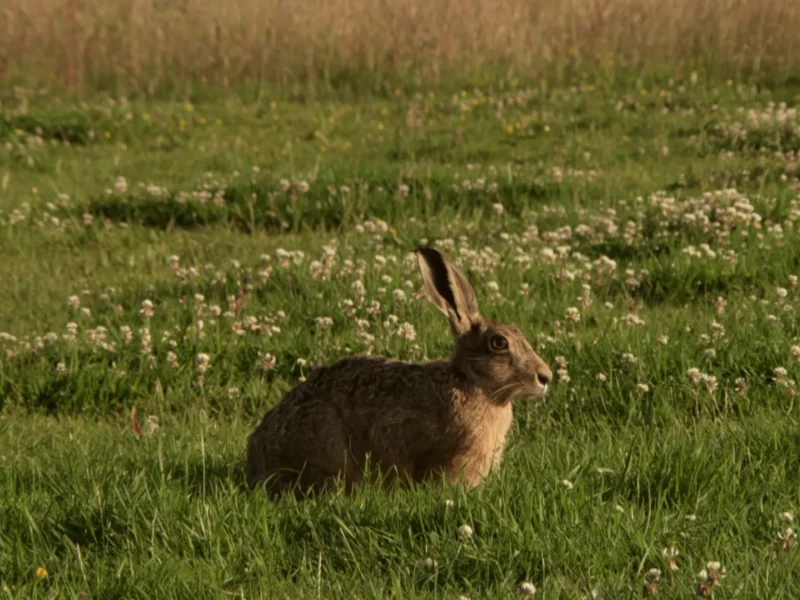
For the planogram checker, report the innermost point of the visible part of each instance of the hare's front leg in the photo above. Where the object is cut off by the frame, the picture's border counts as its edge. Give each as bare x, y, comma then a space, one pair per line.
470, 468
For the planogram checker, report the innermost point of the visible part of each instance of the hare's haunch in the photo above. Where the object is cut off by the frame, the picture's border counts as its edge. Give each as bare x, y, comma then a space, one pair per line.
407, 420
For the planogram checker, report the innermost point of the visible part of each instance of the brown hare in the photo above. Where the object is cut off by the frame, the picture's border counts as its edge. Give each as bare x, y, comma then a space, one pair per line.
409, 421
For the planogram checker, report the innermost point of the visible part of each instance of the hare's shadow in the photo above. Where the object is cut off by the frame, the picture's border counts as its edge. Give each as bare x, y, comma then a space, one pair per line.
205, 478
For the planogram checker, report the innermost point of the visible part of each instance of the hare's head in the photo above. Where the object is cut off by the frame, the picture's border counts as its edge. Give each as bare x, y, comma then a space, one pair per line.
496, 357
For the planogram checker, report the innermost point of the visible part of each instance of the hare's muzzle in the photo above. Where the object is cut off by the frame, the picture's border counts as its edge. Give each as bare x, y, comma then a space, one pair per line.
543, 377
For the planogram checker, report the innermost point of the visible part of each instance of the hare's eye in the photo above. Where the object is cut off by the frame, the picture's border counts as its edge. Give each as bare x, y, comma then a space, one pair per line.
498, 343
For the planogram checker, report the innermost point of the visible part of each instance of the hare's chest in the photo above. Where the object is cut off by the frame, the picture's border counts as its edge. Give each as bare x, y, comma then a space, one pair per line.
489, 439
485, 441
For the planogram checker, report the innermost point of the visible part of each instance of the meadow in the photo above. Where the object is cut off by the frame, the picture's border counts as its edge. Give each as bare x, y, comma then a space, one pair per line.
173, 260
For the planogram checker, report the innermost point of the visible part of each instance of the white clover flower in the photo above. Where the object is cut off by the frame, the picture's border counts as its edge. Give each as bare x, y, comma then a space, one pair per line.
127, 334
653, 575
323, 323
632, 319
121, 185
302, 187
526, 588
152, 424
713, 572
670, 554
407, 332
267, 361
465, 532
787, 538
147, 310
358, 288
203, 361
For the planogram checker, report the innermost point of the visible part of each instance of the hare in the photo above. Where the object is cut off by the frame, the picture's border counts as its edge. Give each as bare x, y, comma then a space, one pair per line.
411, 421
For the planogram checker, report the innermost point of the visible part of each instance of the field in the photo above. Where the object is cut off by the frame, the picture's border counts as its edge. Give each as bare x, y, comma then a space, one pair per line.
171, 263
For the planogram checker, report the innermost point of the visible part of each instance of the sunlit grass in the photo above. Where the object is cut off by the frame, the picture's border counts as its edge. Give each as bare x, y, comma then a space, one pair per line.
170, 268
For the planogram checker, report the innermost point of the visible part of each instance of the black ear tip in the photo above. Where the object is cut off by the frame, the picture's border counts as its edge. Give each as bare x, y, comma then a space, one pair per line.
433, 257
427, 251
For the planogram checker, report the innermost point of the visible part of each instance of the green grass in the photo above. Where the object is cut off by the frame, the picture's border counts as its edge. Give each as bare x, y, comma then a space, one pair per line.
661, 212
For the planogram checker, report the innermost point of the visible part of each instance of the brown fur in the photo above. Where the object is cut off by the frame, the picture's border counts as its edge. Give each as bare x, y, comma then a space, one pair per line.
411, 421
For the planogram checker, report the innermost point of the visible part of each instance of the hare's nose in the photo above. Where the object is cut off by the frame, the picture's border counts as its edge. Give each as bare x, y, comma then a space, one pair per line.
544, 375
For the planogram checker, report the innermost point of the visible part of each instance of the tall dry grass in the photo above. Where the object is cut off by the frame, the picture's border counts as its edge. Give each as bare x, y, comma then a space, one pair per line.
146, 44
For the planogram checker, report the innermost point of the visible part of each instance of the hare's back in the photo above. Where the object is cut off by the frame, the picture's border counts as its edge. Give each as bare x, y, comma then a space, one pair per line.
354, 397
365, 382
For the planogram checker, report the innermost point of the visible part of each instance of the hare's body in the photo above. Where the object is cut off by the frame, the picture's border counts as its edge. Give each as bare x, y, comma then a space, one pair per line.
408, 421
411, 420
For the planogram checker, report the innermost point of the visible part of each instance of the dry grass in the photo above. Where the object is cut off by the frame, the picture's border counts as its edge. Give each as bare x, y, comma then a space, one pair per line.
145, 44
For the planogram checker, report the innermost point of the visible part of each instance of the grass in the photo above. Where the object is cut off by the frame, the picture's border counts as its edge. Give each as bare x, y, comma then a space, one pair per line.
642, 231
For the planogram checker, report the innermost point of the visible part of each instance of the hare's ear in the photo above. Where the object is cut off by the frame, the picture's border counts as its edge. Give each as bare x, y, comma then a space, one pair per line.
449, 290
